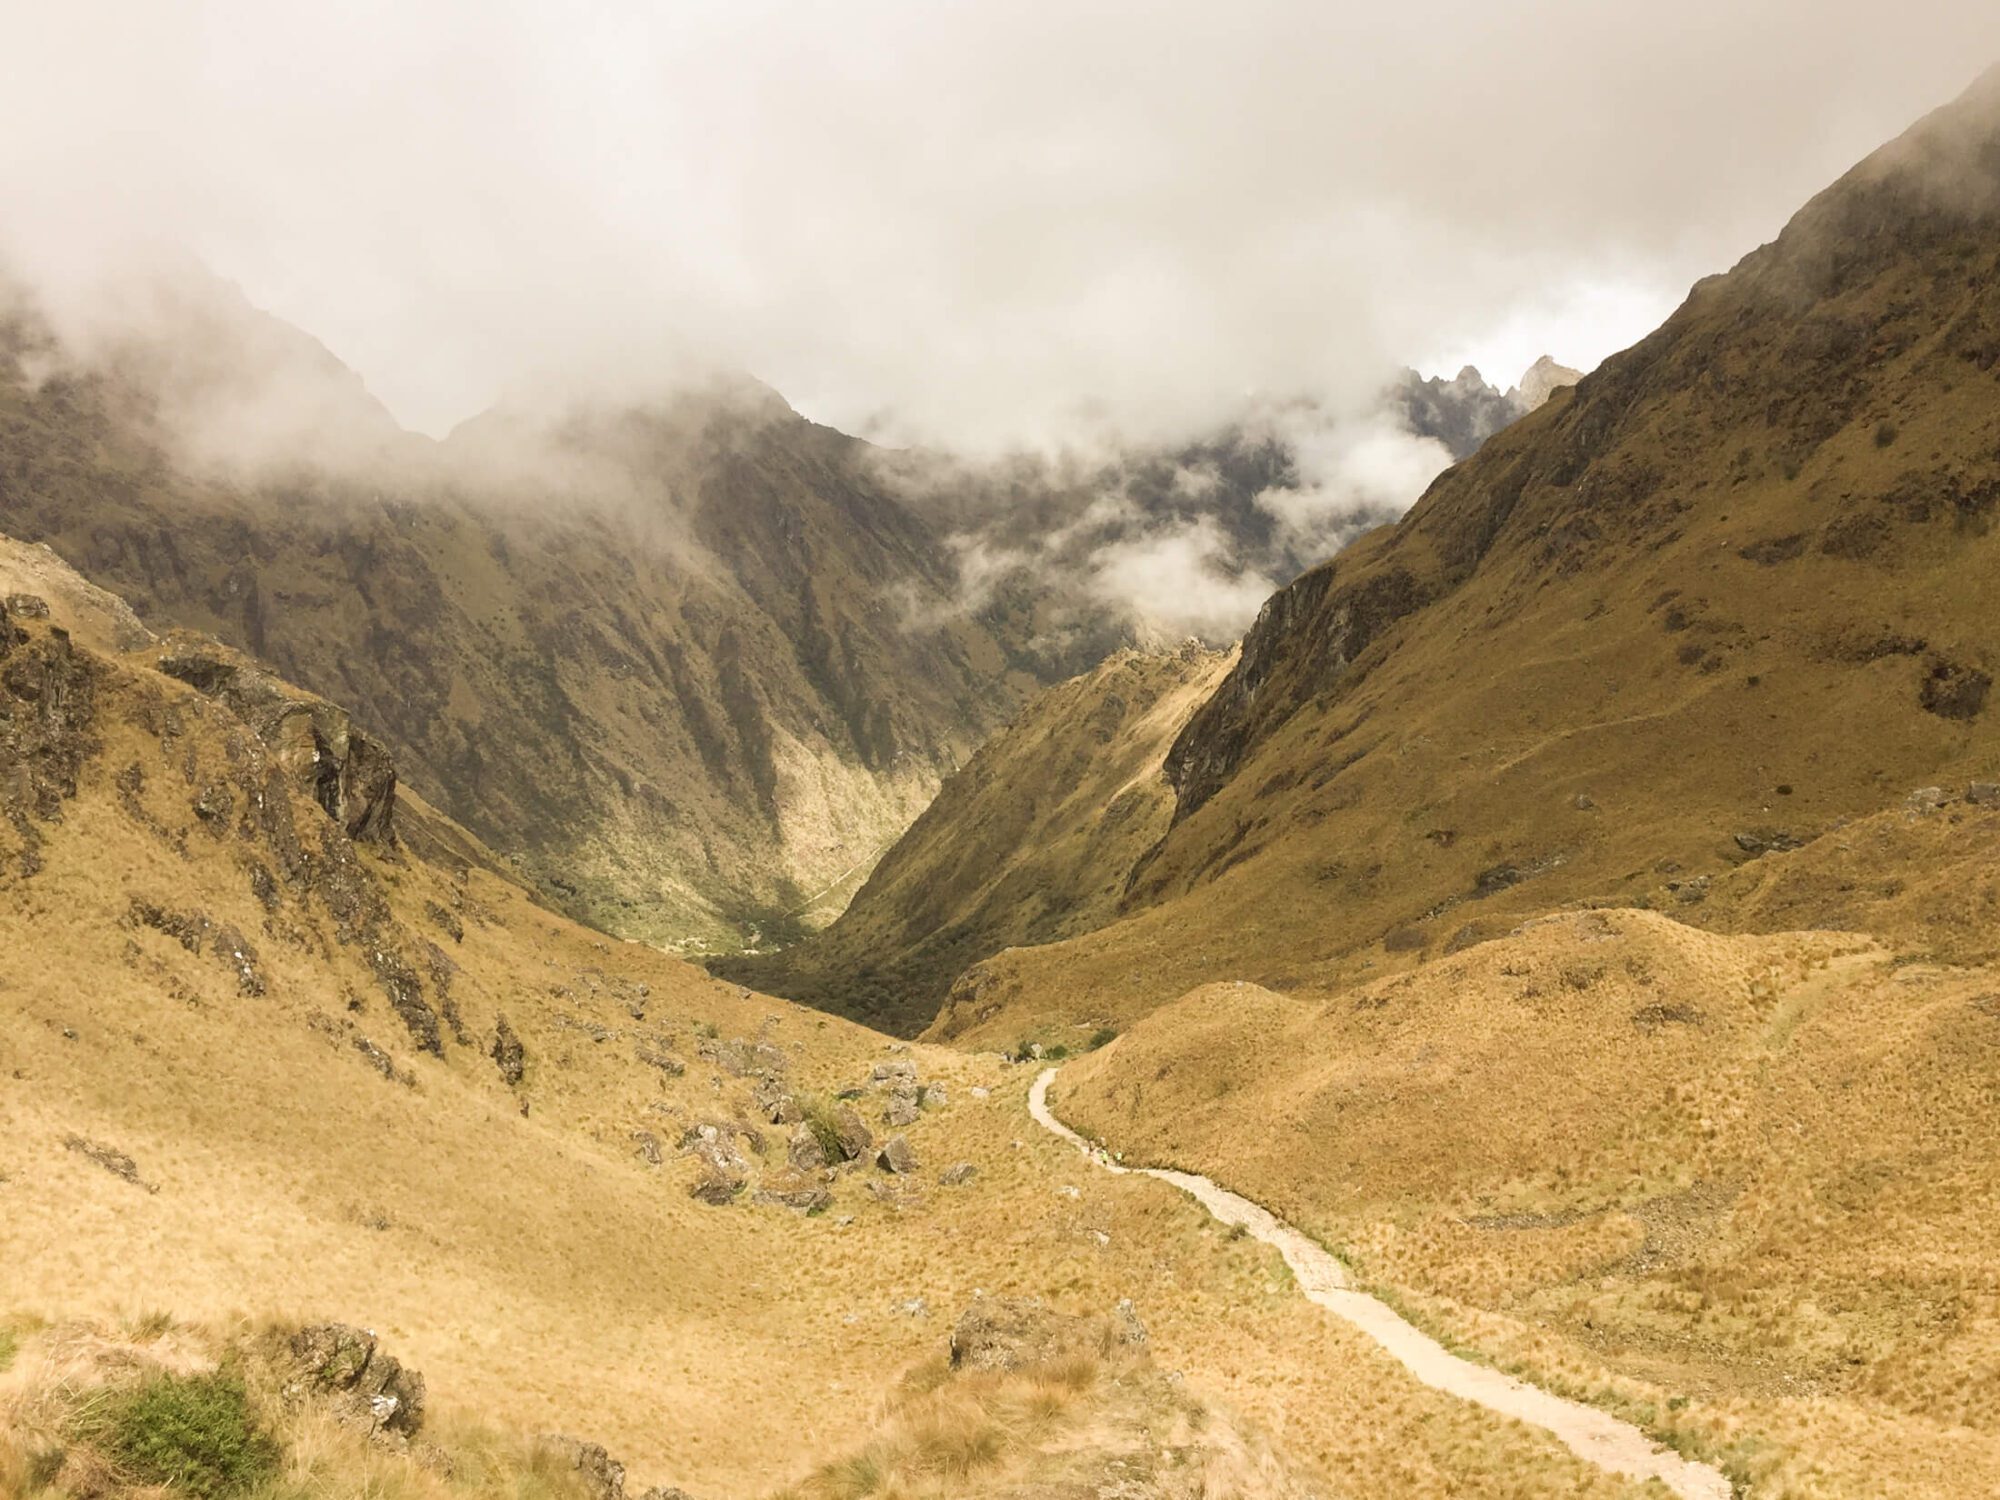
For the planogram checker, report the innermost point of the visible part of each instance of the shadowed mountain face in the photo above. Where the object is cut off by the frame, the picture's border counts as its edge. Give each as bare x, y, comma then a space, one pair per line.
688, 661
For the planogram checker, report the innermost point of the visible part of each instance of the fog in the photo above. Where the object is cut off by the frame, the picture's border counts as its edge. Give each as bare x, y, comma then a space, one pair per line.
966, 224
1085, 238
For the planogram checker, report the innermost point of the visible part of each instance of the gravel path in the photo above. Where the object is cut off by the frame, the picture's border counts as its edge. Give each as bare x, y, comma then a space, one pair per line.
1595, 1436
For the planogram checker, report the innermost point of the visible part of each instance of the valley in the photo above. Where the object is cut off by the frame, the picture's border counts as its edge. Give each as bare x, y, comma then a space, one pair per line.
652, 947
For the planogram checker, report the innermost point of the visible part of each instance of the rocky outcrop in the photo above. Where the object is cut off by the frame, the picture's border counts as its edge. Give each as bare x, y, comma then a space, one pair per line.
1014, 1333
365, 1384
348, 774
48, 705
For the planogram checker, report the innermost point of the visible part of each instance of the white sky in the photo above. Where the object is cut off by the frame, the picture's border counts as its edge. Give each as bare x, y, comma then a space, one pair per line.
973, 223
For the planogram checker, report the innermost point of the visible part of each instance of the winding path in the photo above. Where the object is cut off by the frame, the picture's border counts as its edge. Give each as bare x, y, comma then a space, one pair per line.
1595, 1436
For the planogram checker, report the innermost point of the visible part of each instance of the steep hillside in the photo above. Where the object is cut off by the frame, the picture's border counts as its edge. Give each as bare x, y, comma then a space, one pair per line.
1033, 841
283, 1048
689, 661
1734, 587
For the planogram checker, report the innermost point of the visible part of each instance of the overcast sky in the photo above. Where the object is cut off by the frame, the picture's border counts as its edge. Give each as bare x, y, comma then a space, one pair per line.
962, 222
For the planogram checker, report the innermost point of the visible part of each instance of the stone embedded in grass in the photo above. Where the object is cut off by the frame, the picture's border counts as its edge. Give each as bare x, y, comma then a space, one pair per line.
368, 1386
114, 1161
897, 1157
508, 1053
957, 1174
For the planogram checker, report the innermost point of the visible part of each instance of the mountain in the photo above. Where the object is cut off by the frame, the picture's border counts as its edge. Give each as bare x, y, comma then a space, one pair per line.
687, 659
333, 1163
1033, 841
1577, 905
1728, 590
1463, 412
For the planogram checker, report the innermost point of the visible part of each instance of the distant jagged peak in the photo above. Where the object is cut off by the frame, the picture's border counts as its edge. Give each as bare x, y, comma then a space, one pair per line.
1543, 379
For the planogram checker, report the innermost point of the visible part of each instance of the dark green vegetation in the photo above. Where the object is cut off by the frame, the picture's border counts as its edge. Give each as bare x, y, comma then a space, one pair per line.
196, 1434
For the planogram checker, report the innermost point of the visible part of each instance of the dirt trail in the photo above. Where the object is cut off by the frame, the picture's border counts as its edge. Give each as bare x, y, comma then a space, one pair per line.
1595, 1436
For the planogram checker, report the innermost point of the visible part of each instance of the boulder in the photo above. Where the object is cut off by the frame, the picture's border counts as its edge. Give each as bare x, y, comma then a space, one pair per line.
1016, 1333
794, 1189
855, 1137
804, 1151
903, 1110
1983, 794
891, 1074
602, 1476
896, 1157
508, 1053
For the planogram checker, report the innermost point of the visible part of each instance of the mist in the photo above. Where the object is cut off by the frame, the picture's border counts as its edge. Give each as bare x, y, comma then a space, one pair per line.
973, 225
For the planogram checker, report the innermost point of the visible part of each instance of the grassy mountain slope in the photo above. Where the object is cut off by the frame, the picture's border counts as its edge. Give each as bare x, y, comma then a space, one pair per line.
259, 1072
1761, 1169
1735, 586
690, 661
1031, 842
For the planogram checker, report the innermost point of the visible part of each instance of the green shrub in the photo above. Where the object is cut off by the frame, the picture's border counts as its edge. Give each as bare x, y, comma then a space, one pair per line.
1103, 1037
195, 1433
818, 1116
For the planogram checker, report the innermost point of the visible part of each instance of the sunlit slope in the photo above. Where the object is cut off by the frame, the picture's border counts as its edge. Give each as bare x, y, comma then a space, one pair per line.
1760, 1169
257, 1069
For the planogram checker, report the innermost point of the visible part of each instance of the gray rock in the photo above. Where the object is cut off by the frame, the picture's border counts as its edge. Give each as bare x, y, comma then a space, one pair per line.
1924, 801
855, 1137
957, 1174
896, 1156
892, 1073
649, 1147
366, 1385
508, 1054
794, 1189
902, 1111
1983, 794
603, 1477
804, 1151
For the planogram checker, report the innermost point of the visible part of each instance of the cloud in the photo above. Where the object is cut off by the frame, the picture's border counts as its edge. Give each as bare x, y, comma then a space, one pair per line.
982, 225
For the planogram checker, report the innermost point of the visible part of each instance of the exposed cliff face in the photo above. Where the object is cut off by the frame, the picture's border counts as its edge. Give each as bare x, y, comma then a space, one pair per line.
1732, 588
691, 662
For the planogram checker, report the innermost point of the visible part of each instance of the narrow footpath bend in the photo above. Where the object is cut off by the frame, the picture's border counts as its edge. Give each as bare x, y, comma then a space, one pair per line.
1592, 1435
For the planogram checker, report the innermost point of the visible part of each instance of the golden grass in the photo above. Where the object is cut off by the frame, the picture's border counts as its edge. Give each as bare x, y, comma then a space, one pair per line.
1744, 1186
534, 1266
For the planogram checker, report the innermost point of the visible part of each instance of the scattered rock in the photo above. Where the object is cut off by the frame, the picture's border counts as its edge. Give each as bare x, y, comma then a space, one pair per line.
379, 1060
1127, 1332
27, 606
903, 1110
654, 1057
804, 1151
1953, 691
896, 1157
603, 1477
648, 1146
508, 1053
892, 1073
114, 1161
1014, 1333
1583, 803
368, 1386
1924, 801
1983, 794
957, 1174
856, 1138
794, 1189
1758, 842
